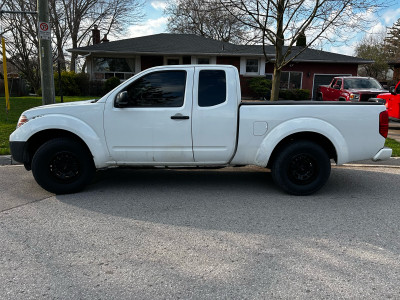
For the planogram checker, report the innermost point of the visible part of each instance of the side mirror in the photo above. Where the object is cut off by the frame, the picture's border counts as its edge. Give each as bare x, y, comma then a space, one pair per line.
392, 90
121, 100
336, 87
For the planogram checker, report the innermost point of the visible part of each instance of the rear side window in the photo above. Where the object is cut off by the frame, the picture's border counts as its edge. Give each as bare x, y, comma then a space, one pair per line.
212, 87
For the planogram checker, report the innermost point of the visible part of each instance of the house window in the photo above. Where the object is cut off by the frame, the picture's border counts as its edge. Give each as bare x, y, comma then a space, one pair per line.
107, 67
252, 66
289, 80
173, 61
203, 61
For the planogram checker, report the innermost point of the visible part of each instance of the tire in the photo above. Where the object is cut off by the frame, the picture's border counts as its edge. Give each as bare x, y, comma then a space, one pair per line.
301, 168
319, 97
62, 166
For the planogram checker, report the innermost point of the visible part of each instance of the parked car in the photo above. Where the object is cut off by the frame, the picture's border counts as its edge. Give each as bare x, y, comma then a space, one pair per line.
392, 101
184, 116
350, 89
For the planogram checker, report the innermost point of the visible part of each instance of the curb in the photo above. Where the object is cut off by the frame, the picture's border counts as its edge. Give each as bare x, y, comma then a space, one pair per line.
6, 160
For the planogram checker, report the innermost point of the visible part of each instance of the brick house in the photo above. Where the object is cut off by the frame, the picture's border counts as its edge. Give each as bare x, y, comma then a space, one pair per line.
124, 58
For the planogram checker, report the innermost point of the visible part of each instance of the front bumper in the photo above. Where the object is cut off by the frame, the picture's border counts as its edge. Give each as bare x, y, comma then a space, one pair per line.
383, 154
18, 151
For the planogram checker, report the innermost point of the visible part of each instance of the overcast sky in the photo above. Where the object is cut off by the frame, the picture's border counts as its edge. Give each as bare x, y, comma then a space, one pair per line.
156, 22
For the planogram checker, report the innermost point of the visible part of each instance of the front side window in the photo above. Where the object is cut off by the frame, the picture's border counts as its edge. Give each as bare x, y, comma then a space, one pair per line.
158, 89
252, 66
212, 87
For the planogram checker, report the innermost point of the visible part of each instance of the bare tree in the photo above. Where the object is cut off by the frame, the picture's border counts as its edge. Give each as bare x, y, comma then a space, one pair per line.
110, 16
205, 18
71, 20
22, 41
281, 22
373, 48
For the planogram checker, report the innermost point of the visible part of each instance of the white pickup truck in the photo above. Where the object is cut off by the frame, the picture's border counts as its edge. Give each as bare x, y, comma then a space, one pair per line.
193, 116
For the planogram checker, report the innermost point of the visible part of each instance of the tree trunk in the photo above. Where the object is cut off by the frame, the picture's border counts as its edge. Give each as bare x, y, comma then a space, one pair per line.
279, 43
276, 80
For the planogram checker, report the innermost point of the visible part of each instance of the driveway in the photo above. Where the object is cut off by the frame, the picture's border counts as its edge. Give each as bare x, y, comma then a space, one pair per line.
206, 234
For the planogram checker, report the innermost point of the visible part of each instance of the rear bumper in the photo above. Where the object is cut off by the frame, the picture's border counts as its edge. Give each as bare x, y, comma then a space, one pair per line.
383, 154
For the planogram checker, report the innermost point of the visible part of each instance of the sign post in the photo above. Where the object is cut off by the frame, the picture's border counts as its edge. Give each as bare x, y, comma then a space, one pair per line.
46, 63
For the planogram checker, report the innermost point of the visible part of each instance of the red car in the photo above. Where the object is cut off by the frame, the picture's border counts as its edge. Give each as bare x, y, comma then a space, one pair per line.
392, 101
350, 88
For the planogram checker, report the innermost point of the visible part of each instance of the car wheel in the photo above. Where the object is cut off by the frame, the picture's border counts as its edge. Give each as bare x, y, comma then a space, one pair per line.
301, 168
62, 166
319, 97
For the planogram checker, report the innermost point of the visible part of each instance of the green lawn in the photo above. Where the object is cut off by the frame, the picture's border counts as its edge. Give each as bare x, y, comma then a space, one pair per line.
20, 104
395, 145
9, 120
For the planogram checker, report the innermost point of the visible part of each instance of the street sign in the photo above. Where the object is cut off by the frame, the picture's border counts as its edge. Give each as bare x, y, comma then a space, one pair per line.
44, 31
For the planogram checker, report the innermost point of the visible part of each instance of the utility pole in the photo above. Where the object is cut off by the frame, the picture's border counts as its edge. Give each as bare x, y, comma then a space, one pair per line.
46, 62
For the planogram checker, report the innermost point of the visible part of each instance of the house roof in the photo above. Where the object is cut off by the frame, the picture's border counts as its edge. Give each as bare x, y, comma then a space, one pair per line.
190, 44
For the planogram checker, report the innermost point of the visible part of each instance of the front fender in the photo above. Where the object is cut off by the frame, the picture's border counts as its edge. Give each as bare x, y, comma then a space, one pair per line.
94, 140
301, 125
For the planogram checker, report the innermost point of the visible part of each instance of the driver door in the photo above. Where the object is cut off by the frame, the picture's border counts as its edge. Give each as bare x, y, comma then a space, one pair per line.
154, 125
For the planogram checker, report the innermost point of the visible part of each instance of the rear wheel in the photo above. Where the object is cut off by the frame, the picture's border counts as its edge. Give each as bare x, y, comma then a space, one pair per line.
301, 168
62, 166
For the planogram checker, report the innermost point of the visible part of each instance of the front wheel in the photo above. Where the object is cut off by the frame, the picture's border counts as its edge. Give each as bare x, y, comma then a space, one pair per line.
301, 168
62, 166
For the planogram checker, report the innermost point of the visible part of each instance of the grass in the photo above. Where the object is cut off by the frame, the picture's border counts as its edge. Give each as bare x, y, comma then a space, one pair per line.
395, 145
20, 104
8, 121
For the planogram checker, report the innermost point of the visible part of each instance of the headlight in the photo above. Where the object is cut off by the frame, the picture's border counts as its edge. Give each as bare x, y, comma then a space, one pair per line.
354, 97
22, 120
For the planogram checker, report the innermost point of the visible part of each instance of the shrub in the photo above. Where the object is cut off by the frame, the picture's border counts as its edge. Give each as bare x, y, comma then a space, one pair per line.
73, 84
298, 94
260, 86
110, 84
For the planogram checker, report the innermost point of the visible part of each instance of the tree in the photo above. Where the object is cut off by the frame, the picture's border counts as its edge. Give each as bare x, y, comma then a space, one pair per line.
205, 18
282, 22
373, 48
393, 42
110, 16
71, 20
21, 41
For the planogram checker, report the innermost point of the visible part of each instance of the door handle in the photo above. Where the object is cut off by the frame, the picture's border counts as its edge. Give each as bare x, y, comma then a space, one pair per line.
179, 117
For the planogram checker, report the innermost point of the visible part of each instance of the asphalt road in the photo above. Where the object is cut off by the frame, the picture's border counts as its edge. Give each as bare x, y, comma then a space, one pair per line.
210, 234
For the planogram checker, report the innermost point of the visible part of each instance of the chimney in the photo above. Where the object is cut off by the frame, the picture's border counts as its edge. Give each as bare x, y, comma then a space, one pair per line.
96, 35
105, 40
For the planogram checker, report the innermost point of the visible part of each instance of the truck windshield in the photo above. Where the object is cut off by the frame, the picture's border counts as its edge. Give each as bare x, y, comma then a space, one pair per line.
361, 83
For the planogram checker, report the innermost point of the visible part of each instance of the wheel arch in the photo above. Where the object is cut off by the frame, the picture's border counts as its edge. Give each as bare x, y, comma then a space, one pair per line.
314, 137
41, 137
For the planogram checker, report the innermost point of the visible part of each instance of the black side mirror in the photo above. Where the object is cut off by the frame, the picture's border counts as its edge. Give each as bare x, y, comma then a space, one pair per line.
121, 100
336, 87
392, 90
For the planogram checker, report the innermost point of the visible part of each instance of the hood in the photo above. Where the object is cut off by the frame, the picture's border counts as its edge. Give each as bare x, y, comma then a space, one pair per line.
58, 108
366, 91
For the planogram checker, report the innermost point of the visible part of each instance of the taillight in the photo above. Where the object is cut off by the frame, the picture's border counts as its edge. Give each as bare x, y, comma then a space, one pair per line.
384, 123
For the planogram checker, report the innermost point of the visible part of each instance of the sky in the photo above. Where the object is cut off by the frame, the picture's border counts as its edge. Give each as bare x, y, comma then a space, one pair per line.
156, 22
